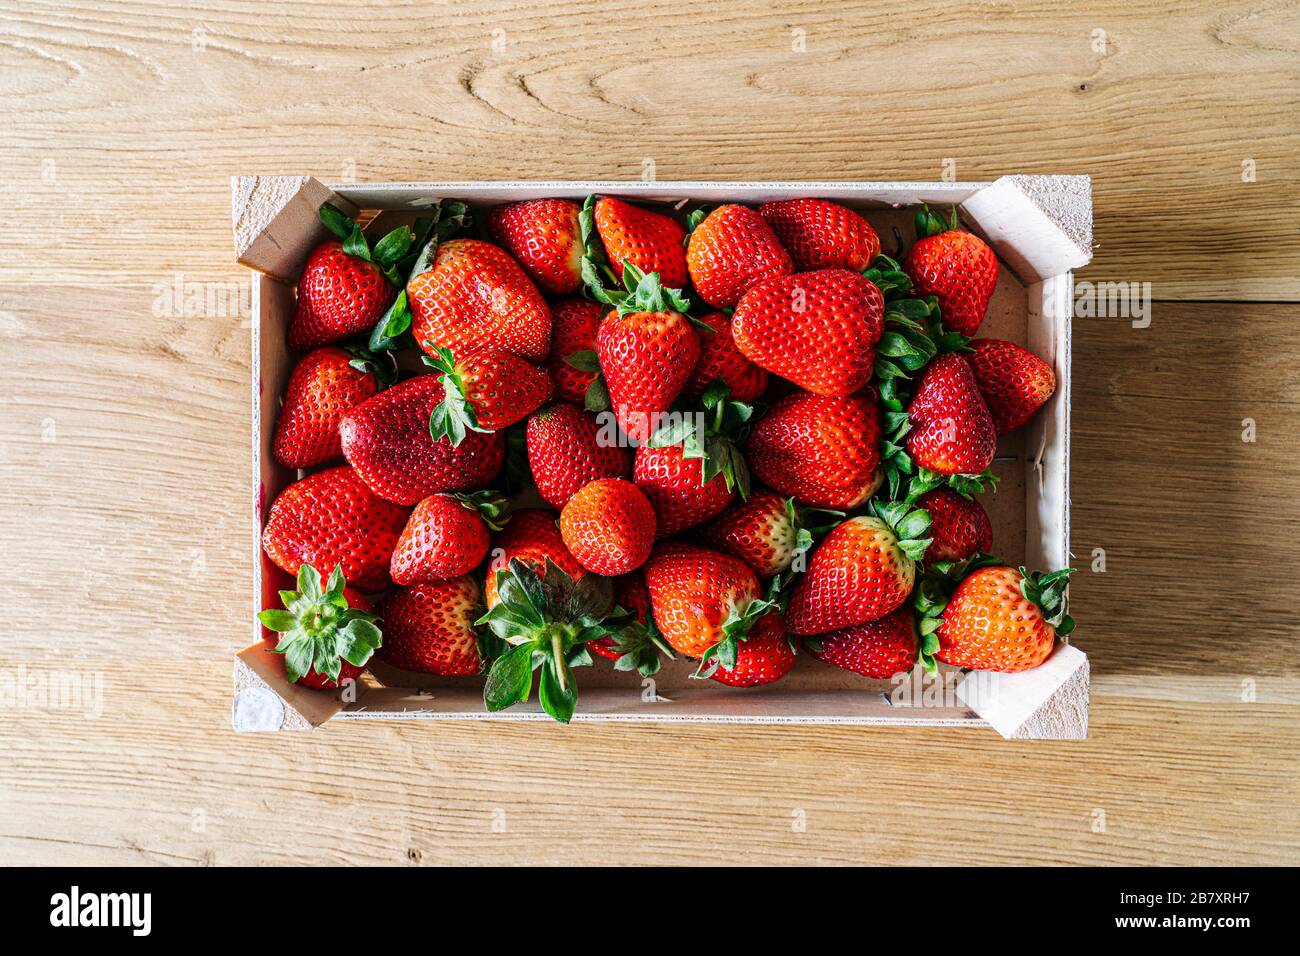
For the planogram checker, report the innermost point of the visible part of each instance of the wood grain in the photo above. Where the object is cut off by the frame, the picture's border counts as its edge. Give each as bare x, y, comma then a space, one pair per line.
124, 486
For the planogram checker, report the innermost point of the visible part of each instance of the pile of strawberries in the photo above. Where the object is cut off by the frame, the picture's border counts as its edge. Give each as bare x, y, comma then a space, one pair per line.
639, 433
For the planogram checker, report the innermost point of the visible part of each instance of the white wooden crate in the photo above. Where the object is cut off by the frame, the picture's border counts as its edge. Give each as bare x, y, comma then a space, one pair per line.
1041, 229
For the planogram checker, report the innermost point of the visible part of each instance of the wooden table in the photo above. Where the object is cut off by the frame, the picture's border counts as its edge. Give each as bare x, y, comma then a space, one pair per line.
124, 485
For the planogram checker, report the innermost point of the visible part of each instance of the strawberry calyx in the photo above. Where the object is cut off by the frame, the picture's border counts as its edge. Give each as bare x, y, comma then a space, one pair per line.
735, 629
929, 223
713, 436
383, 365
933, 590
596, 397
545, 620
809, 524
318, 630
908, 523
492, 506
640, 644
386, 253
454, 416
1049, 592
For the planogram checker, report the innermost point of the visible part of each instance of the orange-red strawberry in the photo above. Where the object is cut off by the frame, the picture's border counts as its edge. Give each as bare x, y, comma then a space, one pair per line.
484, 390
573, 343
325, 634
339, 295
533, 537
677, 490
822, 235
1014, 381
647, 351
731, 251
861, 571
475, 294
446, 536
651, 241
332, 519
386, 438
544, 237
430, 628
703, 601
609, 527
959, 526
764, 531
1003, 619
321, 388
721, 361
765, 656
817, 329
954, 265
821, 450
880, 648
951, 431
567, 450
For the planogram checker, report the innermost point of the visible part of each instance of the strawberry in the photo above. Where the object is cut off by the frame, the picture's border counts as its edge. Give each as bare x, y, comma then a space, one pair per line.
1014, 381
959, 525
544, 237
484, 390
1001, 619
430, 628
386, 438
647, 351
676, 489
637, 644
346, 286
609, 527
567, 450
731, 251
765, 531
631, 596
446, 536
821, 450
703, 601
880, 648
651, 241
332, 519
951, 431
765, 656
822, 235
954, 265
472, 294
327, 635
817, 329
572, 362
532, 537
546, 620
861, 571
322, 386
721, 361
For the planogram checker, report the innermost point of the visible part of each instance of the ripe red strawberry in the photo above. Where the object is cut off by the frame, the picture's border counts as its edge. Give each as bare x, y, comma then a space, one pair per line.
567, 450
609, 527
430, 628
533, 537
339, 295
647, 351
474, 293
861, 571
322, 386
573, 340
880, 648
959, 525
676, 488
822, 235
484, 390
951, 432
765, 656
1014, 381
731, 251
817, 329
651, 241
386, 438
1003, 619
764, 531
703, 601
332, 519
823, 451
326, 634
954, 265
446, 536
721, 361
544, 237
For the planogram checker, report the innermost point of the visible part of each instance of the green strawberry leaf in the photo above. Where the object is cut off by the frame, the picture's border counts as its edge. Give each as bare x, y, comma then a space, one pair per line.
336, 221
393, 247
584, 361
510, 678
557, 694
